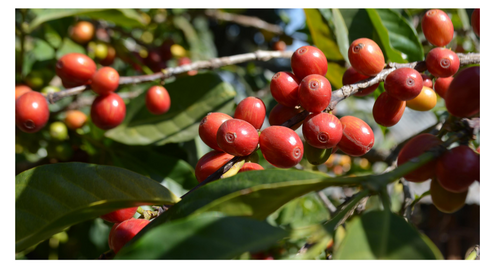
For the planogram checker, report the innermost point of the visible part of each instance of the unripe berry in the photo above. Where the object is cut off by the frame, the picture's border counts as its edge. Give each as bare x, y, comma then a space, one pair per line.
20, 90
237, 137
157, 100
281, 146
105, 80
427, 81
462, 97
357, 137
404, 83
425, 101
387, 111
82, 32
252, 110
108, 60
322, 130
316, 156
120, 215
315, 92
446, 201
31, 112
442, 62
75, 119
441, 85
209, 126
280, 114
437, 27
75, 69
49, 89
284, 88
475, 21
249, 166
108, 111
308, 60
279, 45
352, 76
366, 57
458, 168
210, 163
58, 131
124, 232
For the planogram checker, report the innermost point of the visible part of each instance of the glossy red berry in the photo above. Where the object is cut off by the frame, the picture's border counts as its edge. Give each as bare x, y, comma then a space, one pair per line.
404, 83
75, 69
352, 76
210, 163
124, 232
322, 130
444, 200
281, 146
31, 112
458, 168
442, 62
475, 21
157, 100
387, 111
441, 85
357, 137
427, 81
437, 27
280, 114
120, 215
82, 32
105, 80
366, 57
315, 92
252, 110
414, 148
284, 88
75, 119
108, 111
249, 166
20, 90
308, 60
209, 126
237, 137
462, 97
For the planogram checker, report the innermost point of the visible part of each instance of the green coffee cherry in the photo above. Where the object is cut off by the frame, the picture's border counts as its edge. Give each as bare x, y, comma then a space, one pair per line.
58, 131
316, 156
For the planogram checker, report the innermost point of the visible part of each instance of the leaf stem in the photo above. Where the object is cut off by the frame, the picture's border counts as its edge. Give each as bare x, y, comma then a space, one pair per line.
336, 221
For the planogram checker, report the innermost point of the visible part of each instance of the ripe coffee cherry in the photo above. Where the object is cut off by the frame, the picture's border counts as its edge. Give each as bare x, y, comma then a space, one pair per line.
414, 148
446, 201
237, 137
105, 80
308, 60
110, 57
279, 46
352, 76
157, 100
31, 112
281, 146
252, 110
322, 130
404, 83
387, 111
280, 114
442, 62
423, 102
210, 163
316, 156
20, 90
462, 96
457, 169
75, 69
475, 21
186, 61
366, 57
315, 92
441, 85
120, 215
82, 32
108, 111
75, 119
357, 137
284, 88
249, 166
124, 232
437, 27
209, 126
427, 81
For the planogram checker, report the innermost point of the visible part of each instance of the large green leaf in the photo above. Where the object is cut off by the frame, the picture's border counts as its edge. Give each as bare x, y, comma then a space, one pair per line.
52, 197
192, 98
335, 74
207, 236
341, 33
321, 34
384, 235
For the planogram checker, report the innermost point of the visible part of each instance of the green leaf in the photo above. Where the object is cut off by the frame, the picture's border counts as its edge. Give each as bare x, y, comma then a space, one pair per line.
52, 197
335, 74
68, 46
207, 236
341, 33
384, 235
192, 98
321, 34
358, 23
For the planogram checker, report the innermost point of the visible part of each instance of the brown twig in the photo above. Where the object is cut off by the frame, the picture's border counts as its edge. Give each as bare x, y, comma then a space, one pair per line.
243, 20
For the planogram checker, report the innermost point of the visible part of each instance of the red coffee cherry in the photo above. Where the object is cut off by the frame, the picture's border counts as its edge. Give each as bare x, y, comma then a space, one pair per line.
237, 137
427, 81
462, 97
82, 32
308, 60
154, 61
20, 90
442, 62
357, 137
284, 88
209, 126
157, 100
437, 27
75, 119
458, 168
366, 57
31, 112
446, 201
281, 146
279, 45
210, 163
475, 21
322, 130
105, 80
186, 61
414, 148
75, 69
352, 76
252, 110
280, 114
404, 83
120, 215
387, 111
315, 92
249, 166
425, 101
441, 85
124, 232
108, 111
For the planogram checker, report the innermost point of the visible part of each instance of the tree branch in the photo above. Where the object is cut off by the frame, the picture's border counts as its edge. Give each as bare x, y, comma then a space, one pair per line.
244, 21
